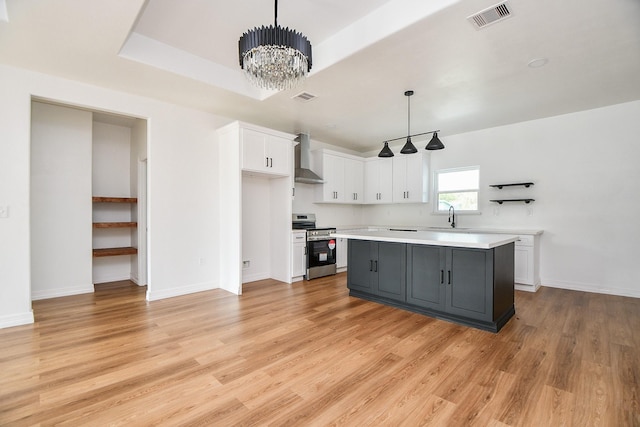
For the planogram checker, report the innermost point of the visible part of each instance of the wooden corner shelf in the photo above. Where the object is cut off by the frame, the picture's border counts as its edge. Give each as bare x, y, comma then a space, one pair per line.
100, 199
114, 252
115, 224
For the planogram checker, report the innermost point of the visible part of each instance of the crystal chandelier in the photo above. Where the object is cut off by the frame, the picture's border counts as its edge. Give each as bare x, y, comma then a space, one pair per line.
273, 57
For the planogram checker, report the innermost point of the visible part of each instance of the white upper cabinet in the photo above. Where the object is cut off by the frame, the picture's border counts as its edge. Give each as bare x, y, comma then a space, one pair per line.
266, 153
342, 176
378, 176
411, 178
353, 181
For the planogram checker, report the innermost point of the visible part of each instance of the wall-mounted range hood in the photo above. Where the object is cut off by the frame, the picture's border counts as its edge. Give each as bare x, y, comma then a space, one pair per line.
303, 172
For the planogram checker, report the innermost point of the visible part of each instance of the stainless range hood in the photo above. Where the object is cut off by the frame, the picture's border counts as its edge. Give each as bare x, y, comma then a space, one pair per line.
303, 172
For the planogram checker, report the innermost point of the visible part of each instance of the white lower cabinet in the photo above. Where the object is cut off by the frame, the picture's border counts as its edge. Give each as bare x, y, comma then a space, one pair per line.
526, 270
341, 252
298, 254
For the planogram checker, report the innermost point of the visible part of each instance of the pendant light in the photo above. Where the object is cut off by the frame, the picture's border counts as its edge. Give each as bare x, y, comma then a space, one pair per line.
386, 151
435, 143
275, 58
408, 148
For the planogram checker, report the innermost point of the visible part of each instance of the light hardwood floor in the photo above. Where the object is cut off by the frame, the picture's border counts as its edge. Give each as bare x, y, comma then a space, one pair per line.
308, 354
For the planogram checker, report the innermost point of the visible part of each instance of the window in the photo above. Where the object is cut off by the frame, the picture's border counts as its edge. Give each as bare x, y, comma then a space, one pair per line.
458, 188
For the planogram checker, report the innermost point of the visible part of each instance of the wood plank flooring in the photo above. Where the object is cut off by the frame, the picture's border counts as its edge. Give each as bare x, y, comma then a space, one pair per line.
308, 354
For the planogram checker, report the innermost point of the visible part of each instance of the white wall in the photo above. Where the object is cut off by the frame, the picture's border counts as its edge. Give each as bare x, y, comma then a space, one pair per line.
111, 176
183, 186
256, 225
60, 201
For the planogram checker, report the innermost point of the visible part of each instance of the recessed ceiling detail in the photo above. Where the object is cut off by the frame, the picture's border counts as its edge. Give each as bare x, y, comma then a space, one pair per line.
491, 15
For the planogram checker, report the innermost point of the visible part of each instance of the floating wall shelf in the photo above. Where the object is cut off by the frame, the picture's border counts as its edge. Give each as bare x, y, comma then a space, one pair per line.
499, 186
501, 201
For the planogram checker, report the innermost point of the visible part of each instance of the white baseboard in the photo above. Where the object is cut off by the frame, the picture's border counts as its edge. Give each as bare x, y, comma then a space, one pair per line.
61, 292
111, 278
591, 287
153, 295
17, 319
246, 278
526, 288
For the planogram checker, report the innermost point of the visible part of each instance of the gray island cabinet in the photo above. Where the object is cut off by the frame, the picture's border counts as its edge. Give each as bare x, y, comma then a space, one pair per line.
467, 281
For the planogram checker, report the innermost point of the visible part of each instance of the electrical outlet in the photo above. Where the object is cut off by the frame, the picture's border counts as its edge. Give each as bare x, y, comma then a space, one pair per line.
246, 264
4, 211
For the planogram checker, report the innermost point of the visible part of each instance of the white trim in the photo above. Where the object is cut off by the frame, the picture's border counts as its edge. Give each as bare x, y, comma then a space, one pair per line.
62, 292
246, 278
436, 193
591, 287
16, 319
4, 16
526, 288
182, 290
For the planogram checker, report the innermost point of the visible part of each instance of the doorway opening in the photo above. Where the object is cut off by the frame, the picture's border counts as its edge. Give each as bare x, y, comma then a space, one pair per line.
88, 176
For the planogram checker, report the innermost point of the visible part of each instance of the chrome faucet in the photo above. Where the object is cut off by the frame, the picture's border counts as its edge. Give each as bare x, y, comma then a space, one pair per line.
452, 216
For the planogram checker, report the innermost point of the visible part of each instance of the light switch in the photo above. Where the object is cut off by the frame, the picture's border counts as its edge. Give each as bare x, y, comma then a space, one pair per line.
4, 211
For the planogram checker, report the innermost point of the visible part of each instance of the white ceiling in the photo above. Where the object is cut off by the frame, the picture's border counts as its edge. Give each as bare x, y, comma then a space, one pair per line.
366, 54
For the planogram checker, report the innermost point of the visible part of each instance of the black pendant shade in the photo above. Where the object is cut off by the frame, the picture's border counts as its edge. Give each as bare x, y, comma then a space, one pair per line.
386, 151
408, 148
435, 143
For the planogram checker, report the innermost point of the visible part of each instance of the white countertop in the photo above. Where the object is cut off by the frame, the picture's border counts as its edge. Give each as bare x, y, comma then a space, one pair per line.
443, 229
433, 238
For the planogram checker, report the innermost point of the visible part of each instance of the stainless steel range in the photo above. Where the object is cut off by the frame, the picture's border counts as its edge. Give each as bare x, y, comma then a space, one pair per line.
321, 247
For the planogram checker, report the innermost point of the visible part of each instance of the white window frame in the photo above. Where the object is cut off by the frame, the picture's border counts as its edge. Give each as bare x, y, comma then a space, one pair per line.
436, 193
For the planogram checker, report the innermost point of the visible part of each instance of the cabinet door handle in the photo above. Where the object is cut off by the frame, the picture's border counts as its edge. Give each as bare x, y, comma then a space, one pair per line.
370, 265
266, 162
407, 194
441, 276
375, 270
448, 277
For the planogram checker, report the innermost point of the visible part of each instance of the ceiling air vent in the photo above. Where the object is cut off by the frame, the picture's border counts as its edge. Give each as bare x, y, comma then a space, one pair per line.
491, 15
304, 97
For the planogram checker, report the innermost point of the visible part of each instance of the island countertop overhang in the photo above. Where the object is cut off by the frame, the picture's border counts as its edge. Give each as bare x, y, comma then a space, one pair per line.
432, 238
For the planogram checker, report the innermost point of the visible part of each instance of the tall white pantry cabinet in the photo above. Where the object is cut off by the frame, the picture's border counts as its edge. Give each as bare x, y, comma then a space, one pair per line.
256, 187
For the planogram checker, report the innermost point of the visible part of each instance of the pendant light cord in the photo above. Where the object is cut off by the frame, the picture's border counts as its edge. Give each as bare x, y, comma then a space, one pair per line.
276, 15
409, 116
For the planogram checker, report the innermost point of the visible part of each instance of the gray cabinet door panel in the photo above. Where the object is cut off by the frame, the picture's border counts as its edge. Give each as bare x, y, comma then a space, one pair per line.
469, 273
391, 267
360, 265
425, 276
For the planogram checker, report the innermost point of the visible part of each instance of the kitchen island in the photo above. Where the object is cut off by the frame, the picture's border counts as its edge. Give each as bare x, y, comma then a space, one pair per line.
466, 278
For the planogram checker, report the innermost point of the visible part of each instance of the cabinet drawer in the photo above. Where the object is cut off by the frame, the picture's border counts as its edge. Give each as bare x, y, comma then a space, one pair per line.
298, 237
525, 241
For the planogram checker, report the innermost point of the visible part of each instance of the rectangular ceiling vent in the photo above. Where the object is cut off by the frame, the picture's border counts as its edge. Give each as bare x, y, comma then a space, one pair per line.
491, 15
304, 97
